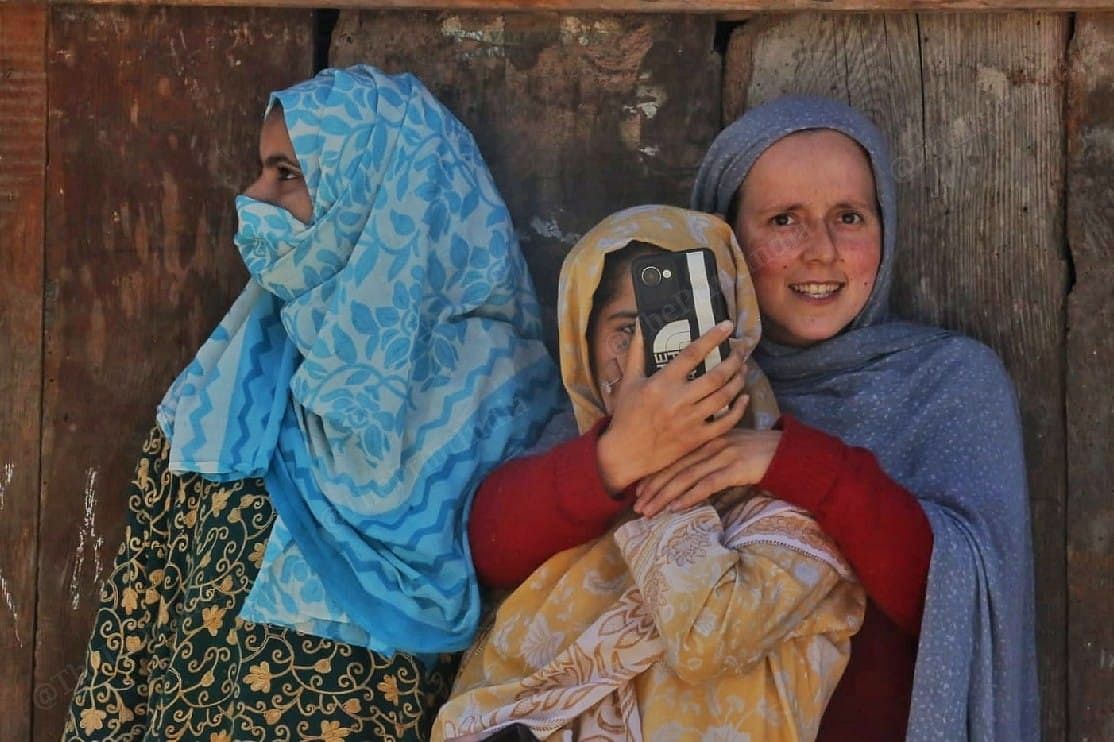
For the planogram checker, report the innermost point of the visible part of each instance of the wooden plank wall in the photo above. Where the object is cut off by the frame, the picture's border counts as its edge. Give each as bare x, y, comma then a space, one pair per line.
576, 116
154, 119
151, 129
22, 166
1090, 378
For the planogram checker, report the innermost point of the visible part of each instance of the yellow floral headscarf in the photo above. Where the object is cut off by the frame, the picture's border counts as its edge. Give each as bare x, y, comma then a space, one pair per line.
672, 229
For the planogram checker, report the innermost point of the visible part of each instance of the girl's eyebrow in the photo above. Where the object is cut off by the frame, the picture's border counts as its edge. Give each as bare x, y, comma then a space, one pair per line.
279, 159
623, 314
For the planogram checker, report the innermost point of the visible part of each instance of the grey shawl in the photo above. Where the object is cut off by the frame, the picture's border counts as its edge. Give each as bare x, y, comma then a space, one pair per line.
939, 412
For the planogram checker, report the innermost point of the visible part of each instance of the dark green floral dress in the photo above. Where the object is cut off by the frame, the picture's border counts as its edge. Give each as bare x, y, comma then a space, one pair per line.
169, 660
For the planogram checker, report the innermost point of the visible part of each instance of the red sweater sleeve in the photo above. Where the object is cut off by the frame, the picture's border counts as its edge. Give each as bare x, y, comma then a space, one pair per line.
877, 524
529, 509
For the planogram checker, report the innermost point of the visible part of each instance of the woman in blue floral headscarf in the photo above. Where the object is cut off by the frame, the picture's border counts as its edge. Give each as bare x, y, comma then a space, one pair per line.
295, 564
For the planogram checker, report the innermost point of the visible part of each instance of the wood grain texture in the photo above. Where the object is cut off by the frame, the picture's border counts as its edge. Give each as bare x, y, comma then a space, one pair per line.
153, 127
1090, 378
706, 7
22, 183
576, 116
972, 106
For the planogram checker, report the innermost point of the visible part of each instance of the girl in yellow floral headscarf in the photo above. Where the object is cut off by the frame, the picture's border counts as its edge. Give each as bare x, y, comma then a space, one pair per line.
730, 618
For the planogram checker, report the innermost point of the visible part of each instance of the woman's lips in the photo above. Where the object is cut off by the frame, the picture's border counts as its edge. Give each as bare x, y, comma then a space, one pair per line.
817, 291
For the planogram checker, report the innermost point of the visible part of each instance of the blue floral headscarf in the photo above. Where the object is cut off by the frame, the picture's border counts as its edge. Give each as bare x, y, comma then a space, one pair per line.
380, 362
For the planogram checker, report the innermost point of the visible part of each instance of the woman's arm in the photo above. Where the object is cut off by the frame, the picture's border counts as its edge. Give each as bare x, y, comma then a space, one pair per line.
878, 525
530, 508
723, 601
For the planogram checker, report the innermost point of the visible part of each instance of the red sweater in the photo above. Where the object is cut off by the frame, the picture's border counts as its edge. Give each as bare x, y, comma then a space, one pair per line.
531, 508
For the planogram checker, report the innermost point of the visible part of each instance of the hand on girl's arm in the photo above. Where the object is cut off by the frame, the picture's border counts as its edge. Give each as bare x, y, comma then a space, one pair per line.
735, 459
658, 419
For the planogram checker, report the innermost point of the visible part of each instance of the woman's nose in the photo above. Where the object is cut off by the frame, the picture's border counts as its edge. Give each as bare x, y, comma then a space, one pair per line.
820, 244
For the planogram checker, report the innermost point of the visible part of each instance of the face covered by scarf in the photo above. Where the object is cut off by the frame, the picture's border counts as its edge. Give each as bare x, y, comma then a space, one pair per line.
671, 229
939, 412
380, 362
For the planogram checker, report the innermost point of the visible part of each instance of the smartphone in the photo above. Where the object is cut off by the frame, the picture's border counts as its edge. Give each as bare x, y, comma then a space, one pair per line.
679, 299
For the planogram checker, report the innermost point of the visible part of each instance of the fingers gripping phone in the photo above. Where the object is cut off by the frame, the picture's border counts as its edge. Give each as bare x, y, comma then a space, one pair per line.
679, 299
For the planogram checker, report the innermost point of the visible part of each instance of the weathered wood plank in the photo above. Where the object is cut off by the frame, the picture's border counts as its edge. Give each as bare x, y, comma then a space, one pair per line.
22, 183
576, 116
1090, 377
153, 127
706, 7
981, 173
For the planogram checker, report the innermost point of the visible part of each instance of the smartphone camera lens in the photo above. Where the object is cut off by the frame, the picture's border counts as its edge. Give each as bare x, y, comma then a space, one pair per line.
651, 276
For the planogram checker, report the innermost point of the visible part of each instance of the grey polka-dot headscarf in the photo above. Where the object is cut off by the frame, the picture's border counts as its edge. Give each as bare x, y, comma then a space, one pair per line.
939, 412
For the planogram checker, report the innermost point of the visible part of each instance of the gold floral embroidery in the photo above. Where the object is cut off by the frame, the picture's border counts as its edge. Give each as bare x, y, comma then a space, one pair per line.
332, 732
256, 555
92, 720
212, 618
129, 601
259, 677
388, 686
219, 501
183, 666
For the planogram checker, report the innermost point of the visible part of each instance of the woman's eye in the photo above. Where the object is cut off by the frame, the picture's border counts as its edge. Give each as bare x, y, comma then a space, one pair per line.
781, 220
286, 173
851, 217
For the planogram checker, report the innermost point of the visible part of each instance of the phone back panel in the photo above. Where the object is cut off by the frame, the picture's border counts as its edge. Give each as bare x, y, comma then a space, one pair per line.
679, 299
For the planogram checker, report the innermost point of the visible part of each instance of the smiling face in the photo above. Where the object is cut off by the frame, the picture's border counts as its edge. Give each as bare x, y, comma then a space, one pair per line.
809, 227
609, 337
280, 180
612, 321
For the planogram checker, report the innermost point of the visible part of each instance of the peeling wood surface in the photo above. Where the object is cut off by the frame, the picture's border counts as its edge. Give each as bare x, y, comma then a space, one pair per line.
22, 168
706, 7
981, 175
153, 128
576, 116
1090, 365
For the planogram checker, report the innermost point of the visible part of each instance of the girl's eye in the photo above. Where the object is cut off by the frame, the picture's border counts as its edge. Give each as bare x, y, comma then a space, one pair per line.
286, 173
781, 220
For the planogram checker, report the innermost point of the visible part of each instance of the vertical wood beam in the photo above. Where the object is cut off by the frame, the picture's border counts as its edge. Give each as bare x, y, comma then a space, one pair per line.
1090, 378
22, 168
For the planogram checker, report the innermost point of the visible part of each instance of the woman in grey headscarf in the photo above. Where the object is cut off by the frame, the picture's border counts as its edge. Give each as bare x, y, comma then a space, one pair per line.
890, 423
